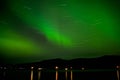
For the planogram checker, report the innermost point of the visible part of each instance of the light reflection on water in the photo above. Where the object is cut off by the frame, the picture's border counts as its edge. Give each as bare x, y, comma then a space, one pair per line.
57, 75
71, 75
31, 76
39, 74
66, 74
118, 75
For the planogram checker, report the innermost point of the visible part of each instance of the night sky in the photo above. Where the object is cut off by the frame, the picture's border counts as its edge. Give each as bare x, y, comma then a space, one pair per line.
35, 30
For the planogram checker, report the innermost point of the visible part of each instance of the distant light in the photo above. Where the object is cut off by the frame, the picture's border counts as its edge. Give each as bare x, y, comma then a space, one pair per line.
56, 67
83, 68
118, 67
32, 67
66, 69
39, 68
70, 67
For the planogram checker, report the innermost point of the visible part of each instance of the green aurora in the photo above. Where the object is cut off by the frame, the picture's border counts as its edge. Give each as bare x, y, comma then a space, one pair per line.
34, 30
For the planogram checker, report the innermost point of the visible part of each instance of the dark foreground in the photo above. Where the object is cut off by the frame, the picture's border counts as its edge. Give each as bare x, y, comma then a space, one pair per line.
22, 74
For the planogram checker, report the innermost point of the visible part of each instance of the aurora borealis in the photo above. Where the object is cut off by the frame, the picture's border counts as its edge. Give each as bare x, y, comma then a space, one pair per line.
34, 30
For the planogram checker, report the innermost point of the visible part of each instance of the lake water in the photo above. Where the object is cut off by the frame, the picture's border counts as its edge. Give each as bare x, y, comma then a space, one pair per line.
58, 75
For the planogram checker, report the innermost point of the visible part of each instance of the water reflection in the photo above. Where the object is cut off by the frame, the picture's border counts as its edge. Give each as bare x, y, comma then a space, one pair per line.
71, 75
39, 74
56, 75
66, 74
118, 75
31, 76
